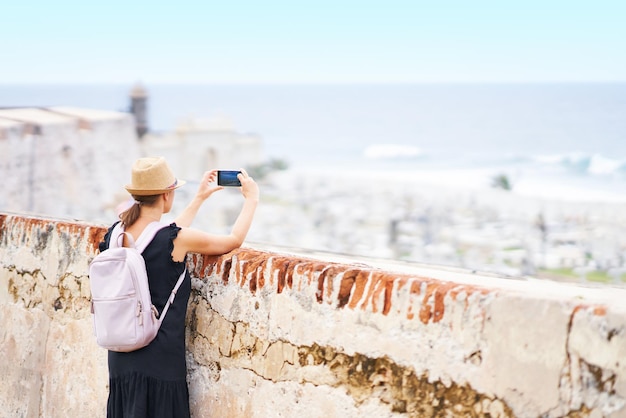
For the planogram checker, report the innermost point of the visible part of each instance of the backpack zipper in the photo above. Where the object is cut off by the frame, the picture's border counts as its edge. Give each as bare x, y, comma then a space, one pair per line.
139, 311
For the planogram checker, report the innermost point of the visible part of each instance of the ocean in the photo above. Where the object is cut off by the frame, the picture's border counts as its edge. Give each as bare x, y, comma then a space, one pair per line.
565, 141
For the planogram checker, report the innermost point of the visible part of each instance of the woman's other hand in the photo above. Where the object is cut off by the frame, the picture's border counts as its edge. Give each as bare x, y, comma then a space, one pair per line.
249, 188
208, 185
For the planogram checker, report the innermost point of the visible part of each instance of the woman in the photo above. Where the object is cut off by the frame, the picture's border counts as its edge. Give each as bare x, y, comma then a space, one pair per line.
151, 382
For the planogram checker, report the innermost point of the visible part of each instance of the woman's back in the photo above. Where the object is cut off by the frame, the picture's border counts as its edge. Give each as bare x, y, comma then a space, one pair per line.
158, 371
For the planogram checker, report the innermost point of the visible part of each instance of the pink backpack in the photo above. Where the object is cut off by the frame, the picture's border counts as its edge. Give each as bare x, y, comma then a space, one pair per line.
124, 317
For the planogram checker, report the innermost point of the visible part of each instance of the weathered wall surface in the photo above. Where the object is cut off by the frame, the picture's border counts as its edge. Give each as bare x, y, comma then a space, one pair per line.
276, 334
65, 161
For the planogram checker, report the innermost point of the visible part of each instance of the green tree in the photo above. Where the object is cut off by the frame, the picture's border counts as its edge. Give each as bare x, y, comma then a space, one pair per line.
501, 181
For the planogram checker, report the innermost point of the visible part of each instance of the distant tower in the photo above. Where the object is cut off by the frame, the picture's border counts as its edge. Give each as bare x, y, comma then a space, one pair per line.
138, 108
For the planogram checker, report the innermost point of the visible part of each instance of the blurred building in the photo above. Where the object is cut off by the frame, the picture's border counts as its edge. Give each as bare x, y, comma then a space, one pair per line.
64, 161
196, 146
139, 109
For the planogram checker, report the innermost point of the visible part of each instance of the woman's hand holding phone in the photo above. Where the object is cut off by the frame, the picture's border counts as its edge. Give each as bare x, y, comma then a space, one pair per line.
249, 188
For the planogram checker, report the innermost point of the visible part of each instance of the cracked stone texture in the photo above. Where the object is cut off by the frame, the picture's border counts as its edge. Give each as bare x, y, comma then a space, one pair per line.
495, 347
23, 363
273, 334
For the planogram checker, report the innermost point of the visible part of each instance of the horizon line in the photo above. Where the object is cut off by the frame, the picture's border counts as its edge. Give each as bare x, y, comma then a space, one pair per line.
302, 83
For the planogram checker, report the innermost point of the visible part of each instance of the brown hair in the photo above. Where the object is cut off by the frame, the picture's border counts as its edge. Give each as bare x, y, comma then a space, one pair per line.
130, 215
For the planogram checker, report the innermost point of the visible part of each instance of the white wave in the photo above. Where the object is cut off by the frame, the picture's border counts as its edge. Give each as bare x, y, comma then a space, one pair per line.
571, 158
389, 151
600, 165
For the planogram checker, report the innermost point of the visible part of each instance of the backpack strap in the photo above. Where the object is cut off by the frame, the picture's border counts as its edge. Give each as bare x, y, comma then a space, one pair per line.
147, 235
116, 233
143, 240
170, 300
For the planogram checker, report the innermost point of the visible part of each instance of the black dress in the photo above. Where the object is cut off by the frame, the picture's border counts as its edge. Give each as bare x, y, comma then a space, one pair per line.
152, 382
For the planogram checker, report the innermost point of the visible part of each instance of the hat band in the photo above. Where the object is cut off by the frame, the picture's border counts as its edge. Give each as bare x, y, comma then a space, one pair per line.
173, 185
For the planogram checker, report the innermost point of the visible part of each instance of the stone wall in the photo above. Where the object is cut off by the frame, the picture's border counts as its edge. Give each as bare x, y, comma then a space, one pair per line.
274, 333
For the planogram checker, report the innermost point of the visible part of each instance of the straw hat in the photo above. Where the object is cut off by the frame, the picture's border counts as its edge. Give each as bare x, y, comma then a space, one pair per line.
152, 175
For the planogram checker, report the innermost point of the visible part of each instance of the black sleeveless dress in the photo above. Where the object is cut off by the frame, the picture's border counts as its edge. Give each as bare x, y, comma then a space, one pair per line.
152, 382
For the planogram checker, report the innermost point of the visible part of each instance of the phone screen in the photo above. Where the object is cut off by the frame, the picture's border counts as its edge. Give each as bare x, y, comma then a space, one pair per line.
228, 178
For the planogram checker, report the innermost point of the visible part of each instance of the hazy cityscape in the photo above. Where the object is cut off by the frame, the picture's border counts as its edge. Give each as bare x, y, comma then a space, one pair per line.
488, 230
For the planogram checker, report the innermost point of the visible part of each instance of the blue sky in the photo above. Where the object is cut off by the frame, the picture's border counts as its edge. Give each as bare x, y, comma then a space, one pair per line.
321, 41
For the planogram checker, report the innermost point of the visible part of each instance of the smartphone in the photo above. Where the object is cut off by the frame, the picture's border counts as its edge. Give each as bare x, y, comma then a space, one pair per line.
228, 178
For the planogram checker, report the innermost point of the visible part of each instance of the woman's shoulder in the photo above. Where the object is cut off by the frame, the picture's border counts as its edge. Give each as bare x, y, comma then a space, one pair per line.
172, 228
169, 231
165, 238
